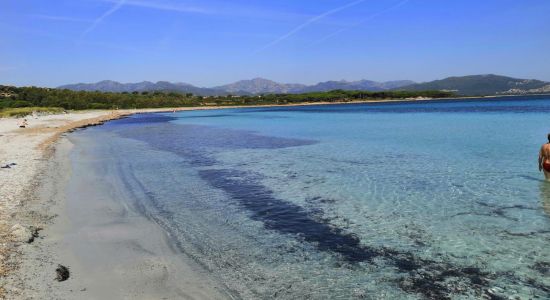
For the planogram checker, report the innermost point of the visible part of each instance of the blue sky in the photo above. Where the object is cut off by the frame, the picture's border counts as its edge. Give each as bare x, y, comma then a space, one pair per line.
213, 42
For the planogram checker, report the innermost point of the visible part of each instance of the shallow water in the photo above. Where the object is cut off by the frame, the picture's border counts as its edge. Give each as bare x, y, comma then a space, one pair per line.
398, 200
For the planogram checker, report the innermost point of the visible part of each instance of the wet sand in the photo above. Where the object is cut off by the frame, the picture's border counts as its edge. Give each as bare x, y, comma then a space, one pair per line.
23, 157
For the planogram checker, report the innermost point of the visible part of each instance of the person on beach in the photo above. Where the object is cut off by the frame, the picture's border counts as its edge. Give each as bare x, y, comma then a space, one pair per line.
23, 123
544, 159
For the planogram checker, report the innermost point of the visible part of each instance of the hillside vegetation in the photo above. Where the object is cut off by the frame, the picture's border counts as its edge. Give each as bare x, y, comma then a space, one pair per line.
12, 97
480, 85
25, 111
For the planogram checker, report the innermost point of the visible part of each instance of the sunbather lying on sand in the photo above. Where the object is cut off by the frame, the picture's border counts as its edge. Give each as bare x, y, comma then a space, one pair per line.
23, 123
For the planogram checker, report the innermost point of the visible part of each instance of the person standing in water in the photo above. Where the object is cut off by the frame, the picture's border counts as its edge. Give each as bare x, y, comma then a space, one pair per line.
544, 159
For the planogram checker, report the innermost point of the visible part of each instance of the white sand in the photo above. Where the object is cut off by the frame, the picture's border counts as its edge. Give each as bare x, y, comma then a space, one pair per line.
21, 146
24, 147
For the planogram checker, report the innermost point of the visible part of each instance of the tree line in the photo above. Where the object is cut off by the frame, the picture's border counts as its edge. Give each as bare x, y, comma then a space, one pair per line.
13, 97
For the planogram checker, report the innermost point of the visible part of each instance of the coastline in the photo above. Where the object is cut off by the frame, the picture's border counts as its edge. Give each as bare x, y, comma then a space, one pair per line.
25, 216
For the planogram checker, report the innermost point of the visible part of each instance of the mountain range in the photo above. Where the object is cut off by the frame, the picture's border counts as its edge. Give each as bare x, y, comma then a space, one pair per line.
244, 87
473, 85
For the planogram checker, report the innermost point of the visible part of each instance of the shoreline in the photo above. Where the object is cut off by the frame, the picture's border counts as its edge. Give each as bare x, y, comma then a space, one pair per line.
112, 250
28, 216
24, 156
373, 101
23, 214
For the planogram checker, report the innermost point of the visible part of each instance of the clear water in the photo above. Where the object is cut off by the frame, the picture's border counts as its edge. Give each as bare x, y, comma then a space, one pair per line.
376, 201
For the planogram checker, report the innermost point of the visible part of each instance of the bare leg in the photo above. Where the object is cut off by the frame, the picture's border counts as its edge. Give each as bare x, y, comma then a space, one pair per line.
546, 175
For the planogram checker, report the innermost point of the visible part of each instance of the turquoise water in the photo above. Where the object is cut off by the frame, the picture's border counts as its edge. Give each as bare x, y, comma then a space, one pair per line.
377, 201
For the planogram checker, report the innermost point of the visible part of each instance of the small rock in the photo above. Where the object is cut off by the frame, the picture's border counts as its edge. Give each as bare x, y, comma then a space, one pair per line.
496, 293
62, 273
359, 293
22, 234
8, 166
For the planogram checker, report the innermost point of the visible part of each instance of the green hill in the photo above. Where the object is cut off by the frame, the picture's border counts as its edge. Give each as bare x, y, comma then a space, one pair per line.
477, 85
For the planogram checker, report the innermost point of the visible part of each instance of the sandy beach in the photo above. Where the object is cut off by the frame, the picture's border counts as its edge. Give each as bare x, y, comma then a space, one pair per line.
26, 218
33, 224
23, 156
37, 235
38, 229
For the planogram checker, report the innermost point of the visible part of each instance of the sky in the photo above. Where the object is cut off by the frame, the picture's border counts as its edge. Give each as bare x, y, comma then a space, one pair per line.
213, 42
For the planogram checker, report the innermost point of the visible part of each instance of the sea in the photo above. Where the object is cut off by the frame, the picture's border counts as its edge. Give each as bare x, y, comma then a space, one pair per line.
434, 199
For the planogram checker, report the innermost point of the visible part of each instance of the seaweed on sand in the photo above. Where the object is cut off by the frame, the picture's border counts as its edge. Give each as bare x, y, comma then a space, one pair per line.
62, 273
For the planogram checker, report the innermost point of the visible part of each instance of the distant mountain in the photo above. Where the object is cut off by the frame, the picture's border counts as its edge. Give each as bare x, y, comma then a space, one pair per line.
165, 86
473, 85
482, 85
243, 87
261, 86
364, 85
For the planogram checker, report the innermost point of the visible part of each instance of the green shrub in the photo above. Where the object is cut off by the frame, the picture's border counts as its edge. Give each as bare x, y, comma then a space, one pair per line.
25, 111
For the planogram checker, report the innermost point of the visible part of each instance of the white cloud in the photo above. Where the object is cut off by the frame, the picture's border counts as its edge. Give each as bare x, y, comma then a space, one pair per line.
361, 22
309, 22
98, 21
